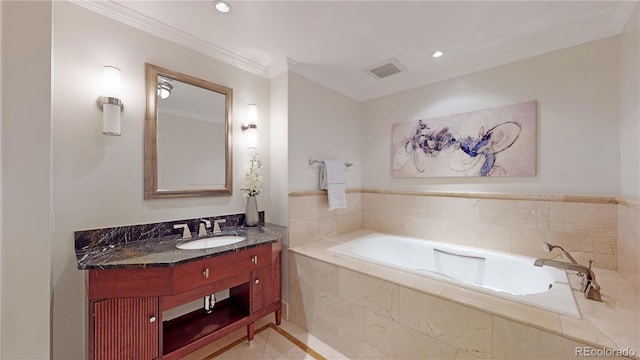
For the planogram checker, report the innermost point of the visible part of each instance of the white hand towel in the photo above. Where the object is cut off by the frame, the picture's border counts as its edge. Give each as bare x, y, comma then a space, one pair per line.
332, 179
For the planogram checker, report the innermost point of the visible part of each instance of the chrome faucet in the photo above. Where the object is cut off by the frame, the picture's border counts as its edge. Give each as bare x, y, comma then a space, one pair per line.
588, 285
216, 225
204, 225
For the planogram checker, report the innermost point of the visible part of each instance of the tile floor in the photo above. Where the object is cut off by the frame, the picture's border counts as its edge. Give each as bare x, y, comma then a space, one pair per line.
270, 342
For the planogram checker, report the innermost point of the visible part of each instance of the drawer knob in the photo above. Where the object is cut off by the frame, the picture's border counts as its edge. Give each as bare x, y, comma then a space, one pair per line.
152, 319
254, 259
205, 273
257, 281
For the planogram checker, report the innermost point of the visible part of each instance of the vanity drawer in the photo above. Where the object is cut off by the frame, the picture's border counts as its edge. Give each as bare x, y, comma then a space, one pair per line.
204, 272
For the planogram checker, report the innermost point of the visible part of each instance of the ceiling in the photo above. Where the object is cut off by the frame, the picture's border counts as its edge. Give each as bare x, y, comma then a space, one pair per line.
334, 42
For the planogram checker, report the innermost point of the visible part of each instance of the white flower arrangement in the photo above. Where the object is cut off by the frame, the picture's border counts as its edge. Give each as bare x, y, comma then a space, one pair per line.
253, 179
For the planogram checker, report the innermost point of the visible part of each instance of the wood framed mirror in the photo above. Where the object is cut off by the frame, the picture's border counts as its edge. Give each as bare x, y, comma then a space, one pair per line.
187, 141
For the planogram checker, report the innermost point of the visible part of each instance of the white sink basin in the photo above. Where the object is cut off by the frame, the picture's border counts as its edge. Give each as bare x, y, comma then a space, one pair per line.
210, 242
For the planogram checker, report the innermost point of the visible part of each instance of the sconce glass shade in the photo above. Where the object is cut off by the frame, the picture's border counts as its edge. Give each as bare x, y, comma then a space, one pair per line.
111, 82
111, 119
252, 138
110, 102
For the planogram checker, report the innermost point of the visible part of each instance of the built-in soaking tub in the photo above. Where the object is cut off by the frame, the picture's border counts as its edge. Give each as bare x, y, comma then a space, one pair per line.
508, 276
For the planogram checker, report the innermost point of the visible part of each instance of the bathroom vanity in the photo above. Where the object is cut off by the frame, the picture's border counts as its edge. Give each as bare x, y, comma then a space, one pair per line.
129, 286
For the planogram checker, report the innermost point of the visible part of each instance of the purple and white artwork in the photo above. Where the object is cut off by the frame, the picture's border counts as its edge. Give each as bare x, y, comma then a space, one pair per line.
490, 142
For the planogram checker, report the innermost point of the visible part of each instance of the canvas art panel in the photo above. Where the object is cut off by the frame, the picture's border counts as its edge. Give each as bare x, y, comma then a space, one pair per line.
497, 141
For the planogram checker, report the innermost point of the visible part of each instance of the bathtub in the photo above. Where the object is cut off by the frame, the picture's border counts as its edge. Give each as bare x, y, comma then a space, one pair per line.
508, 276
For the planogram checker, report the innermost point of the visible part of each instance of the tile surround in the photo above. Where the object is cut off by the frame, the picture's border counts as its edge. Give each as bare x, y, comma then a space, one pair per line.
405, 311
602, 228
586, 226
310, 219
628, 242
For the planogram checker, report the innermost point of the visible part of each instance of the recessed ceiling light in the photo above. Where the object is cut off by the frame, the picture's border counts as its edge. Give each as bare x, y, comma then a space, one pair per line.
437, 54
222, 6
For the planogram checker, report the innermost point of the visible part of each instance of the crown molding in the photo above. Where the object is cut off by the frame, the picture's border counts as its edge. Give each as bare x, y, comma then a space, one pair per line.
141, 22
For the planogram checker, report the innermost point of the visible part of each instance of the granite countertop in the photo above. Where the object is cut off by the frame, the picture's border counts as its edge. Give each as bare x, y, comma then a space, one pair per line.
162, 251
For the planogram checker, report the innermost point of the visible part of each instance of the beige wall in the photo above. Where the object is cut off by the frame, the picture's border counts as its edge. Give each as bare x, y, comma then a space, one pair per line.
629, 214
577, 94
322, 125
26, 180
98, 180
629, 107
279, 213
629, 243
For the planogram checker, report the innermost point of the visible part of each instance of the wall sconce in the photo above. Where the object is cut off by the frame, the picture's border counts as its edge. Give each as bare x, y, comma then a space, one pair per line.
251, 127
110, 102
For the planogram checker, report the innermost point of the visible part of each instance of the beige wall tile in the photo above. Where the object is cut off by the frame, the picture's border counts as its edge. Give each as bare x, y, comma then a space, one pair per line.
372, 220
405, 205
512, 340
589, 218
495, 224
628, 244
303, 207
301, 303
399, 341
323, 227
299, 233
451, 352
526, 313
379, 355
531, 214
457, 325
374, 202
418, 226
377, 296
323, 276
345, 316
349, 222
450, 208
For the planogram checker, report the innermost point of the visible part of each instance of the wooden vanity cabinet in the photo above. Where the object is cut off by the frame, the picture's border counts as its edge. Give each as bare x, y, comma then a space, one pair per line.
266, 284
126, 305
125, 328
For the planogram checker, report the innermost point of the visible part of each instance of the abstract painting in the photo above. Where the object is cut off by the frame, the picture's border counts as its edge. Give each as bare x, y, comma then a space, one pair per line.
490, 142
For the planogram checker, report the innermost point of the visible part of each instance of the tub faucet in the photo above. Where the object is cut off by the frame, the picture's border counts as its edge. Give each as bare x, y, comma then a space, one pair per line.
588, 285
548, 247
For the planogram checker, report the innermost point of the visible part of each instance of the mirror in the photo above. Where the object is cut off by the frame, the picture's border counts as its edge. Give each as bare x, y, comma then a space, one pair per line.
187, 136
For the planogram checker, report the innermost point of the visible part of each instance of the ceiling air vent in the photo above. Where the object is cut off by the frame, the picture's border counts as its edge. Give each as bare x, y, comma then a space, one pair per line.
387, 68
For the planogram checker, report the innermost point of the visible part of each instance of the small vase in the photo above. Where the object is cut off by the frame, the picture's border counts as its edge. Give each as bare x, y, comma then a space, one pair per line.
251, 217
